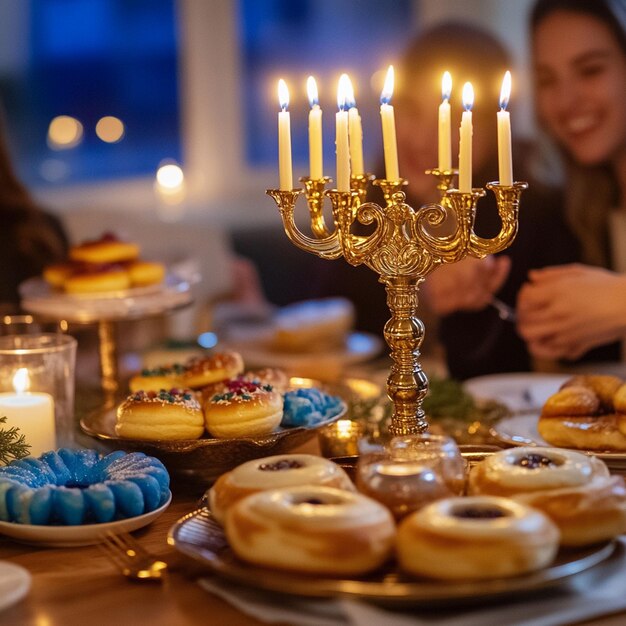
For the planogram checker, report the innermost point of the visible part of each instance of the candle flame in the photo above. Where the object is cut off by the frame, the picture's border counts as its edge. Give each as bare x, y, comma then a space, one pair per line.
21, 380
505, 91
446, 86
343, 90
387, 92
311, 88
468, 96
283, 94
350, 99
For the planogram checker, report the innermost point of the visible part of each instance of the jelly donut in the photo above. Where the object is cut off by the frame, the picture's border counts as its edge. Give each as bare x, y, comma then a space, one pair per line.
274, 472
475, 538
70, 487
163, 415
529, 469
598, 432
107, 249
243, 409
202, 371
311, 529
157, 378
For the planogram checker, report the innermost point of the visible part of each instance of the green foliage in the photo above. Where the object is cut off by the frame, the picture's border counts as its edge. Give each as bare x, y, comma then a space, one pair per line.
12, 444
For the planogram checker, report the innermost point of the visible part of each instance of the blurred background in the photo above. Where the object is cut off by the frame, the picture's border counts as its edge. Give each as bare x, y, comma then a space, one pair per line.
164, 111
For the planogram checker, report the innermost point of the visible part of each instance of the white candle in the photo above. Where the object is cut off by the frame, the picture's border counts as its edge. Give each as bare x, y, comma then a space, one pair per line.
341, 137
285, 176
390, 147
31, 412
356, 133
445, 133
505, 158
465, 141
316, 167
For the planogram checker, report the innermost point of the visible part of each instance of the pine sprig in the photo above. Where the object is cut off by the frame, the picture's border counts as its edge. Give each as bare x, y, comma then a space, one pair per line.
13, 444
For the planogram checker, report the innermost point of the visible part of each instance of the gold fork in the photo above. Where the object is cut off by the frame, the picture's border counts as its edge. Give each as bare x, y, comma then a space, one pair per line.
133, 560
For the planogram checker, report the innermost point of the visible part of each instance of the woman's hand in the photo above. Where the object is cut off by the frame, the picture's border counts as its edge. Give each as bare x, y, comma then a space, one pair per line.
468, 285
565, 311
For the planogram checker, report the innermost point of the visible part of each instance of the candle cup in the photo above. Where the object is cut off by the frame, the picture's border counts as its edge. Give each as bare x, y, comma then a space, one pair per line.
411, 472
42, 405
340, 439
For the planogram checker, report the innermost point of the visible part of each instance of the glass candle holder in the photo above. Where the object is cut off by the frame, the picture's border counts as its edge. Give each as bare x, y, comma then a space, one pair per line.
37, 388
340, 439
411, 472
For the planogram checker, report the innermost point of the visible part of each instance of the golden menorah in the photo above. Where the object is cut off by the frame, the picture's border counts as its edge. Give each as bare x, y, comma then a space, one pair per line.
403, 249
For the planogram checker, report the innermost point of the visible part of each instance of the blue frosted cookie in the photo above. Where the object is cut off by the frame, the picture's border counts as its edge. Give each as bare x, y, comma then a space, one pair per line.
309, 406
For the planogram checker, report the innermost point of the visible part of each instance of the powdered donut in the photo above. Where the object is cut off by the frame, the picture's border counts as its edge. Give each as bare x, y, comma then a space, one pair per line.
274, 472
317, 530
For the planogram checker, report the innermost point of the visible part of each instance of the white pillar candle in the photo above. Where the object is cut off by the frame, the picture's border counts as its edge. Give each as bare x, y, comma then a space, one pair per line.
465, 141
341, 137
445, 132
356, 133
390, 147
505, 158
316, 167
285, 175
31, 412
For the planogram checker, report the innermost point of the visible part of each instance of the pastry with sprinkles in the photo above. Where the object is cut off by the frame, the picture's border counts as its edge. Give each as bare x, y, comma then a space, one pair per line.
164, 415
202, 371
243, 408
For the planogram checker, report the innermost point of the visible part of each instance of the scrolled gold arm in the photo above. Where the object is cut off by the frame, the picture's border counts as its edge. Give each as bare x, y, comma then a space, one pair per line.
326, 247
314, 188
508, 209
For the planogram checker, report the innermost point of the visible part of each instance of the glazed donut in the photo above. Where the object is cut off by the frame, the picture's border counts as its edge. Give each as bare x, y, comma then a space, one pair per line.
274, 472
97, 279
311, 529
166, 415
475, 538
601, 432
143, 273
243, 409
107, 249
603, 386
202, 371
584, 515
619, 399
572, 400
157, 378
530, 469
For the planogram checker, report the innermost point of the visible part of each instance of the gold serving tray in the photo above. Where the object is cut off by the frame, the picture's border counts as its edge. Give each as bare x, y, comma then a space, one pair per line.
207, 458
199, 537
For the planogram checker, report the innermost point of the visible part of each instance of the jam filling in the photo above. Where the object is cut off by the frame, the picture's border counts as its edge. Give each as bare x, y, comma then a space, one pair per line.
279, 466
479, 513
535, 461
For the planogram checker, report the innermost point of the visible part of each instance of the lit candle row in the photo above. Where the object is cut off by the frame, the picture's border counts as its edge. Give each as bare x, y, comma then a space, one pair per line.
349, 134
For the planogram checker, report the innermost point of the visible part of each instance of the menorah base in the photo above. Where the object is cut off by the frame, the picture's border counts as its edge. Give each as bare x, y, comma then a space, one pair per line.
407, 384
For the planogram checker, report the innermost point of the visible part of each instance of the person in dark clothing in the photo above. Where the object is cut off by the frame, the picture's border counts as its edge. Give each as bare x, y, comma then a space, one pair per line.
30, 238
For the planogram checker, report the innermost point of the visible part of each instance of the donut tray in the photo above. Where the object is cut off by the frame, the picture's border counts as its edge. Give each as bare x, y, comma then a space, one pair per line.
199, 537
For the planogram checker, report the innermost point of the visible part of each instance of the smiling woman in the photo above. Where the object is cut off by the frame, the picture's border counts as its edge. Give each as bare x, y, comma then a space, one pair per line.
579, 55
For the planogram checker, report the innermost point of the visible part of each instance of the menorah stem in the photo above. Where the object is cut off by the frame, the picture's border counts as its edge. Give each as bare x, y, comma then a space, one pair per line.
407, 384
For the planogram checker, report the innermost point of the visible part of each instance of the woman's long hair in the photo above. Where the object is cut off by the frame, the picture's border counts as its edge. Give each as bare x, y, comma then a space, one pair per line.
591, 191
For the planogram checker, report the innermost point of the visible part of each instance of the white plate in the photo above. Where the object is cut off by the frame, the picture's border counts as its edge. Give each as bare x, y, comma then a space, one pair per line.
523, 391
358, 347
521, 430
73, 536
14, 584
39, 297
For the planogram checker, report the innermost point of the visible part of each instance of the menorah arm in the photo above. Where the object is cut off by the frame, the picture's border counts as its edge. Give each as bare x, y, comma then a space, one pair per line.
507, 198
326, 247
448, 248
